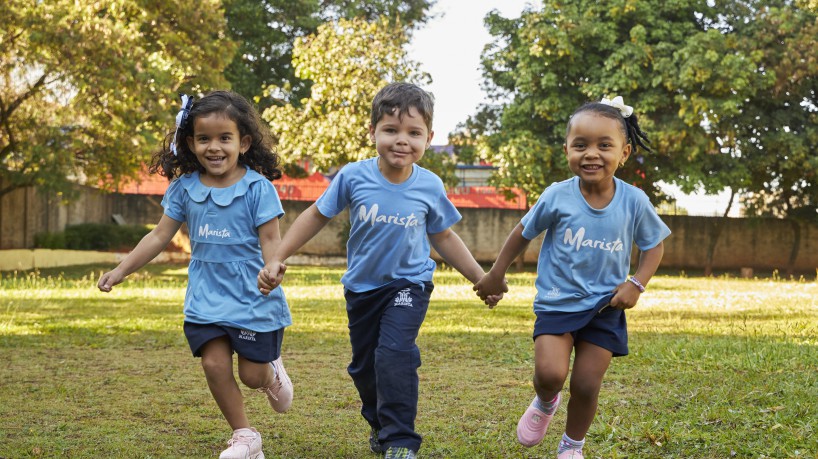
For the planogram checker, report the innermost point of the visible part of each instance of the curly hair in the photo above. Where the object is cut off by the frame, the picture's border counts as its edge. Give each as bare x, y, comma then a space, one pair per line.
261, 156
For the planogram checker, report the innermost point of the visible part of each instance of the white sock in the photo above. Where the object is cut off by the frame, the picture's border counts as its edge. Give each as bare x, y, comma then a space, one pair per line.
569, 443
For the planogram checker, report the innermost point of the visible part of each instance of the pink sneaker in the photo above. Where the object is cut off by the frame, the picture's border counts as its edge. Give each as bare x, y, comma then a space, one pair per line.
571, 454
280, 392
245, 444
534, 423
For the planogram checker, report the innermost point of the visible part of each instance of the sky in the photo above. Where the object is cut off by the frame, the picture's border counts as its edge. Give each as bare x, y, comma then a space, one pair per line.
449, 47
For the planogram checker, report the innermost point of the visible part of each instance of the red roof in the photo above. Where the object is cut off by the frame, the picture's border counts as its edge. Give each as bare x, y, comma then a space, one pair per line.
310, 188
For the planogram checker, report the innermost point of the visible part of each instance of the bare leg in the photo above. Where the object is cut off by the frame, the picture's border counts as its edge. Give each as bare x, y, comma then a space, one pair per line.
217, 362
552, 354
590, 364
254, 374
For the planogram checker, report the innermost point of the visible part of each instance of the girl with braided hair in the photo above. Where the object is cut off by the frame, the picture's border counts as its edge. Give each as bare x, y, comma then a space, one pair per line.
583, 287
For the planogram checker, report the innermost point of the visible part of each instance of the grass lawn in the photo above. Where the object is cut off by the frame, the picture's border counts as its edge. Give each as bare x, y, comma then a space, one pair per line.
719, 368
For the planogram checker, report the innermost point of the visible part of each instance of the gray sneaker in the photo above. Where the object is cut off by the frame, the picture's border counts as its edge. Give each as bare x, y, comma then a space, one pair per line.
396, 452
375, 445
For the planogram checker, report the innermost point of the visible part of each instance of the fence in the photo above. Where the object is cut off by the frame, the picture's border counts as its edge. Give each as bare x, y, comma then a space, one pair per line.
762, 244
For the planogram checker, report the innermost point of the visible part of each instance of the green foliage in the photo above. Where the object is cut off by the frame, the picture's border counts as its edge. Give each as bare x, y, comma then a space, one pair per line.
266, 31
49, 240
88, 89
93, 236
725, 92
348, 62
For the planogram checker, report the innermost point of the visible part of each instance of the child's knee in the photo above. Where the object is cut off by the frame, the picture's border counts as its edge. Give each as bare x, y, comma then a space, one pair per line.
549, 379
255, 375
214, 365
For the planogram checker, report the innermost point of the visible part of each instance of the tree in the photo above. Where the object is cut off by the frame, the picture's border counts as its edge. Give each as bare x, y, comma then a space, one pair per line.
266, 31
88, 89
718, 88
348, 62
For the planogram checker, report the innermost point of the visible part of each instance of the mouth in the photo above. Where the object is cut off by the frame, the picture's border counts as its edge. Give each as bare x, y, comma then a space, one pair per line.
216, 160
591, 167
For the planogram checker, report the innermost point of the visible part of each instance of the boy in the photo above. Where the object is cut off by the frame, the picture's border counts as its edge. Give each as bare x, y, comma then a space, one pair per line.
394, 205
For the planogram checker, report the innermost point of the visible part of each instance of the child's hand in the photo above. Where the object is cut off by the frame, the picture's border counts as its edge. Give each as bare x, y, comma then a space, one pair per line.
491, 285
625, 296
109, 279
270, 277
492, 300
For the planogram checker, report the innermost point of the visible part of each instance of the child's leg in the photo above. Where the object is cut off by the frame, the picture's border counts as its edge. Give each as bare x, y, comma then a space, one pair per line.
217, 362
552, 355
590, 364
397, 359
254, 374
364, 327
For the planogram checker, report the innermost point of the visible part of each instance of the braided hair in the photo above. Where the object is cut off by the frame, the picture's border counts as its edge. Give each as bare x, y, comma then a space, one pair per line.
629, 125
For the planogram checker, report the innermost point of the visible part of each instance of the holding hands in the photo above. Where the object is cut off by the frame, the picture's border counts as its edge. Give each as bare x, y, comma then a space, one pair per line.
491, 288
271, 276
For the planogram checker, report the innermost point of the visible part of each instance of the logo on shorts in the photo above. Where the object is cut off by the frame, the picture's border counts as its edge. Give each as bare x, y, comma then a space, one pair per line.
553, 293
248, 335
403, 298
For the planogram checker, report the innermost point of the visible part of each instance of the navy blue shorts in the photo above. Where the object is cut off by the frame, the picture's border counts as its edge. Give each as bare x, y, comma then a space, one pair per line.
259, 347
604, 326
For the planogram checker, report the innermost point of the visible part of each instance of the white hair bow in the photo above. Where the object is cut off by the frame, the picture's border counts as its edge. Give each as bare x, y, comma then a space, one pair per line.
618, 103
181, 118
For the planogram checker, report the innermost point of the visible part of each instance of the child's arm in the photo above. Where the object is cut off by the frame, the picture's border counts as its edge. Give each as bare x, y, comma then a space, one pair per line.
304, 228
494, 281
627, 293
449, 245
148, 248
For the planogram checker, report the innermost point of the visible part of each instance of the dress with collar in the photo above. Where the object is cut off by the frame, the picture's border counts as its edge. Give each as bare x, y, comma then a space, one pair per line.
225, 252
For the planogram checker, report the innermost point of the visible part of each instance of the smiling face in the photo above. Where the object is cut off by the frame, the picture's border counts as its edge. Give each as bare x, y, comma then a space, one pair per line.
400, 141
595, 147
216, 142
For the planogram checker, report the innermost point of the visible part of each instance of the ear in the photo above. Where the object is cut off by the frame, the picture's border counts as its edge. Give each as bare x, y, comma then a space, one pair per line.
372, 133
626, 153
246, 141
565, 149
429, 139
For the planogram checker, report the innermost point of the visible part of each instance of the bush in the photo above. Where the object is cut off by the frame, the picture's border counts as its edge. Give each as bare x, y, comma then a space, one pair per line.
49, 240
93, 236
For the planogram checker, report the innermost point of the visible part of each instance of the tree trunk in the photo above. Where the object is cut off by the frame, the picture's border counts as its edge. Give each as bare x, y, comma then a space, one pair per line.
714, 235
796, 246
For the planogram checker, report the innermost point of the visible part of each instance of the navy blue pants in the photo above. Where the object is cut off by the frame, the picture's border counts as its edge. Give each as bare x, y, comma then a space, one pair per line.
383, 326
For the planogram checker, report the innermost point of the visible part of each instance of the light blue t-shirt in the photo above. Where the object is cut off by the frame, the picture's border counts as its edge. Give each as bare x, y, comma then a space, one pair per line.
389, 223
586, 252
225, 252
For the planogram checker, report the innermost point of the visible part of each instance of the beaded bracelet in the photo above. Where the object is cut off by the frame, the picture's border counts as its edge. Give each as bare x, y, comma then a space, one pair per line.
638, 284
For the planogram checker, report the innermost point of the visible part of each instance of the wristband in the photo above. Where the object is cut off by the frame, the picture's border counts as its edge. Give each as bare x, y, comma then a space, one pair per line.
638, 284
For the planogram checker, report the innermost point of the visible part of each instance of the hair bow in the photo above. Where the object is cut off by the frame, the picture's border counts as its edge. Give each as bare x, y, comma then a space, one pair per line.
618, 103
181, 119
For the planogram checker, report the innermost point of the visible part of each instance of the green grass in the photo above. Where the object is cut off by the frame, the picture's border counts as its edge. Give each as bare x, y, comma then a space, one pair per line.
719, 368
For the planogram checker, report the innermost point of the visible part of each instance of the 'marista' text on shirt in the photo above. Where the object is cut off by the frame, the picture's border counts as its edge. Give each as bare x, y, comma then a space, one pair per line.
579, 241
373, 217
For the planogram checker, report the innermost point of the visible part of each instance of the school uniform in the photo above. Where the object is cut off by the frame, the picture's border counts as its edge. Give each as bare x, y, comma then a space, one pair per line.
387, 286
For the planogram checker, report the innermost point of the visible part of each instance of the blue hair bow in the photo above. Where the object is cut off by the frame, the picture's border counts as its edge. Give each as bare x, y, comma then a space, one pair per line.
181, 120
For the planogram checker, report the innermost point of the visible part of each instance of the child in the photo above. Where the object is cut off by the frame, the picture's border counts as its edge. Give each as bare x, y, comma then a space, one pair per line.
590, 223
394, 206
224, 161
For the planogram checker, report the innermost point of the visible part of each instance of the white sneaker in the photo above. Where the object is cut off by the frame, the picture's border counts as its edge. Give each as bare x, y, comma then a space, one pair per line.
280, 392
245, 444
